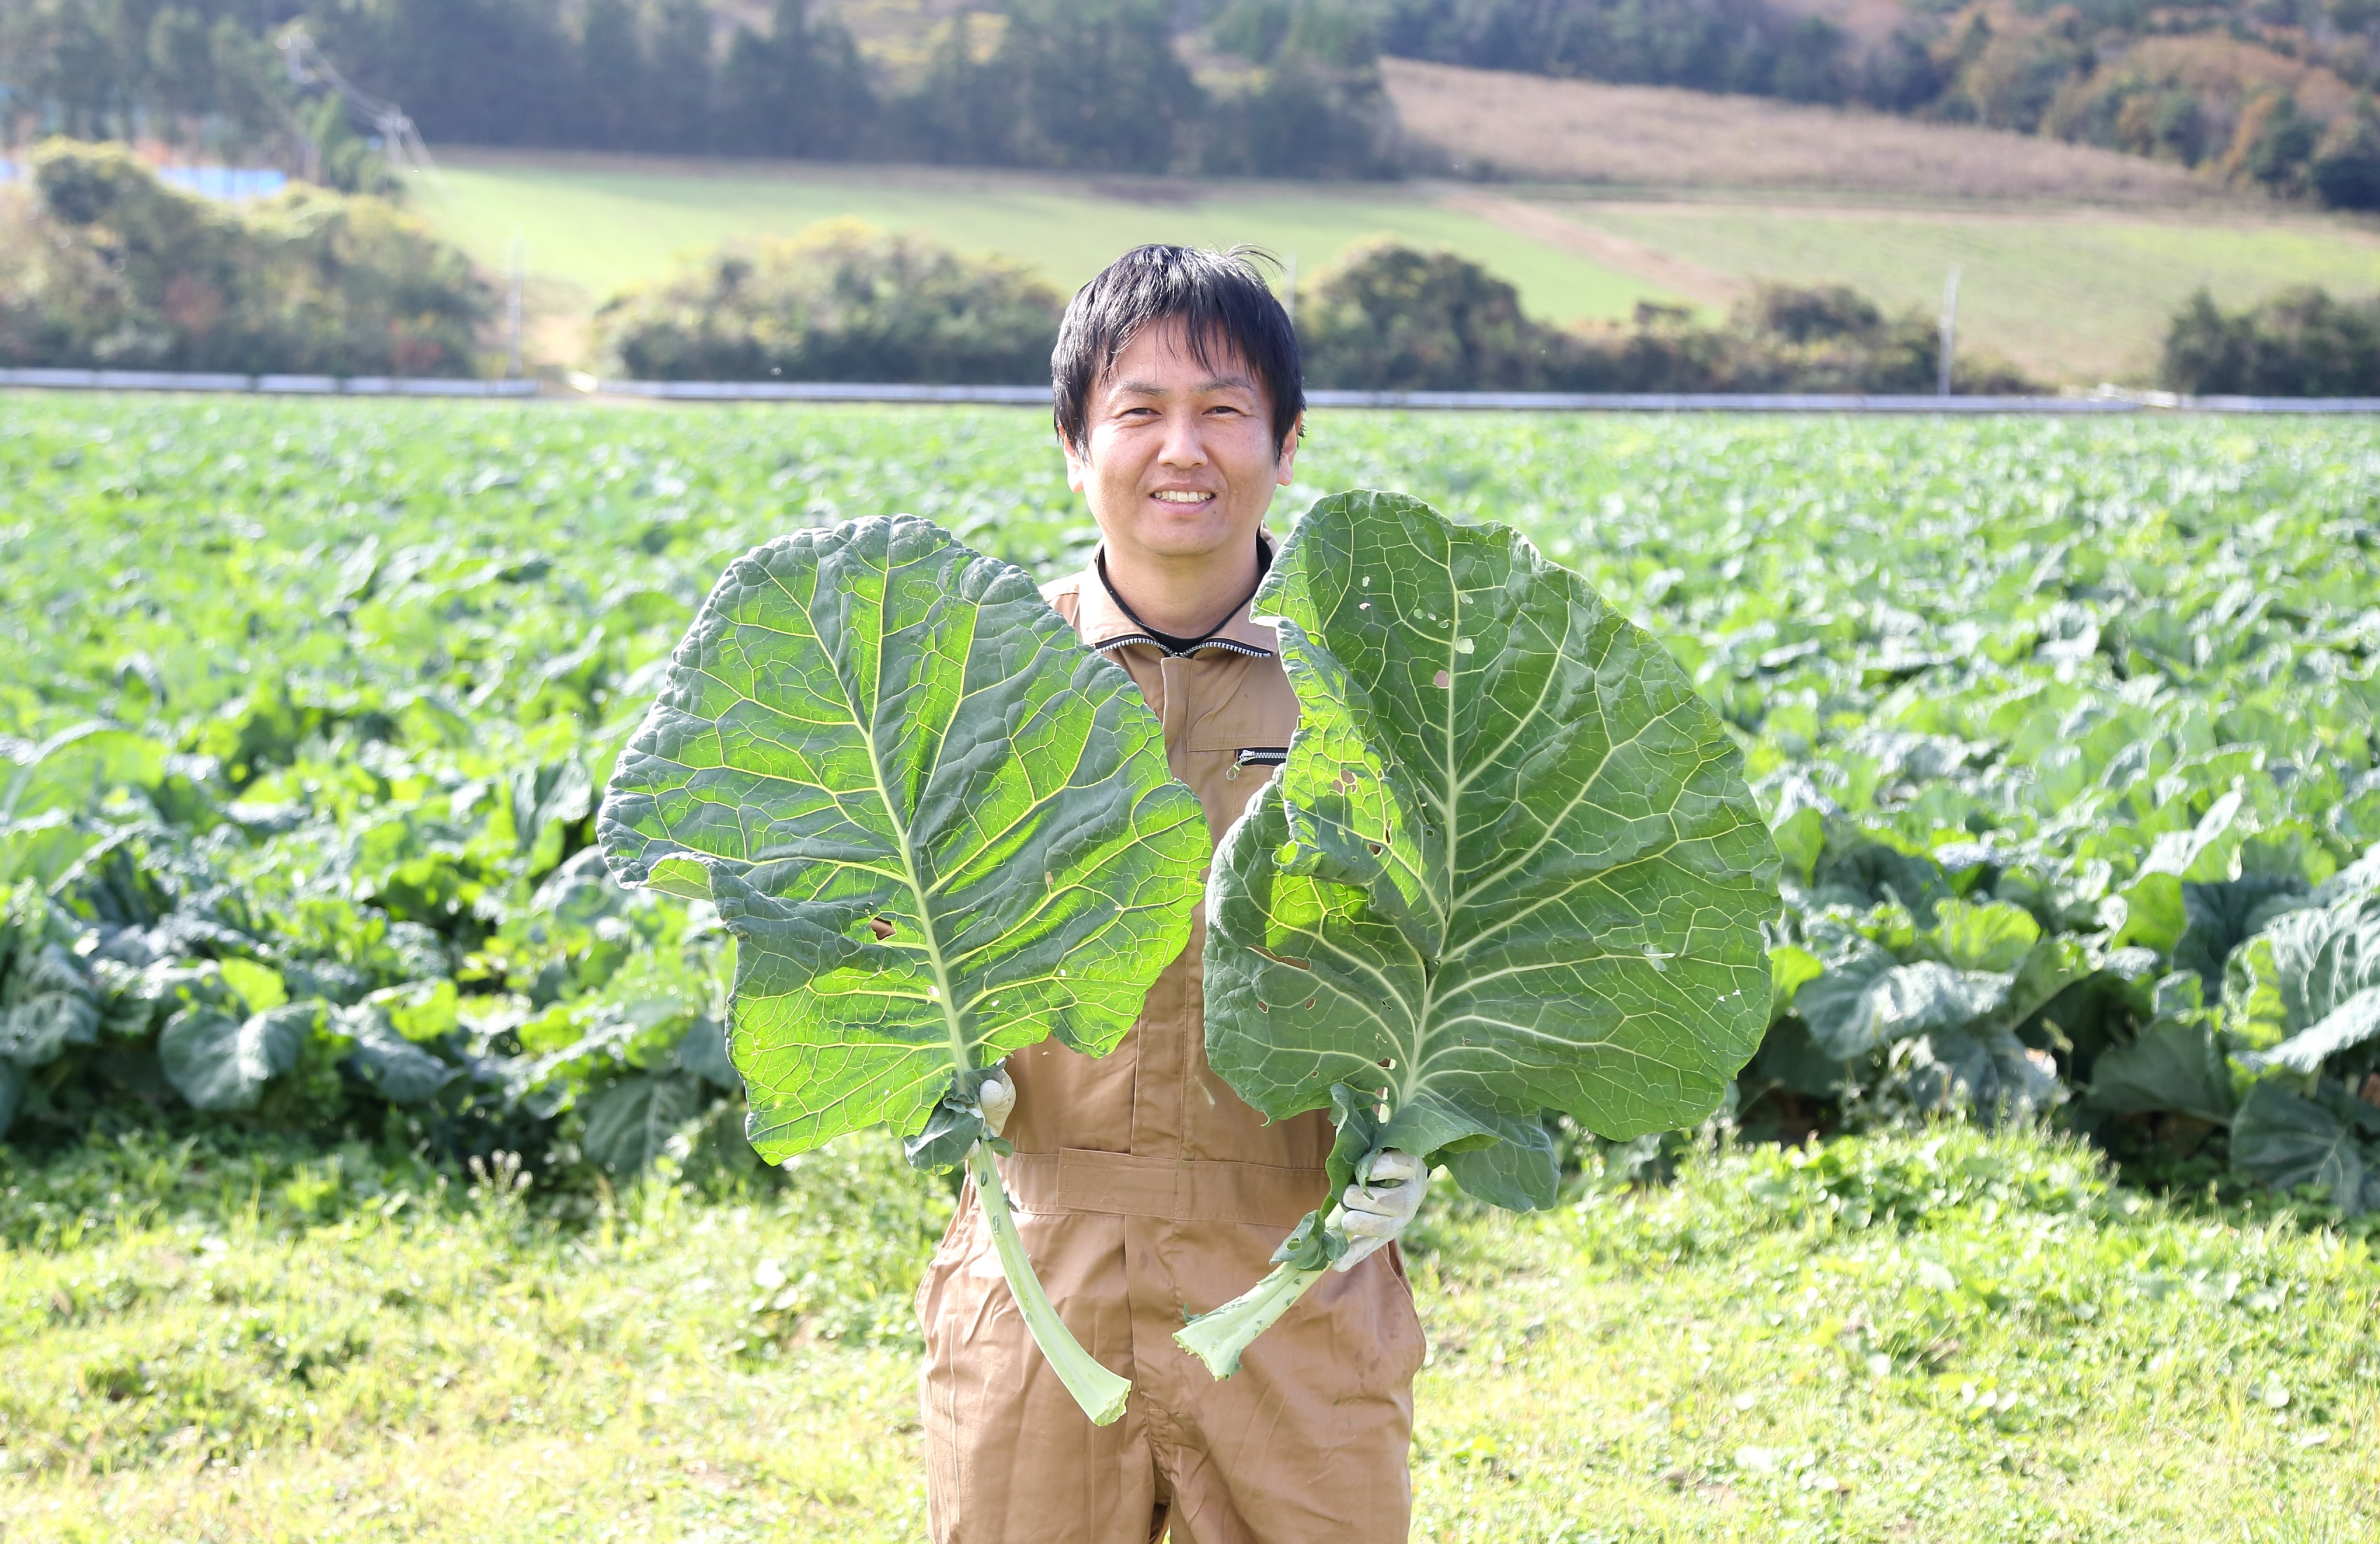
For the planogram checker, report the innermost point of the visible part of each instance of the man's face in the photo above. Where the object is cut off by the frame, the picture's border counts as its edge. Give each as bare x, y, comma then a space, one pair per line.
1178, 459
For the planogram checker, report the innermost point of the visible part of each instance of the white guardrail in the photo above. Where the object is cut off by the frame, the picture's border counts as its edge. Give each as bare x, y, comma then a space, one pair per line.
2104, 400
278, 385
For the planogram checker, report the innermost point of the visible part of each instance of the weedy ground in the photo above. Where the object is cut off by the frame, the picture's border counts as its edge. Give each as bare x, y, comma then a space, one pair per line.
1941, 1335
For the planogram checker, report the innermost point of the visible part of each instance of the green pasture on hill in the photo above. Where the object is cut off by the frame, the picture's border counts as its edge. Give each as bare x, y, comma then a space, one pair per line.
603, 229
2078, 296
2075, 297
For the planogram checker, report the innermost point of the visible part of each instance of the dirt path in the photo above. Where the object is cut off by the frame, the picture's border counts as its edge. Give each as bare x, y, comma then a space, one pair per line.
1675, 275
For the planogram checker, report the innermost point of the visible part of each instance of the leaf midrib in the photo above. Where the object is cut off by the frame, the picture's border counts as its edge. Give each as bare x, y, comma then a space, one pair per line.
1417, 1057
962, 1057
1417, 1048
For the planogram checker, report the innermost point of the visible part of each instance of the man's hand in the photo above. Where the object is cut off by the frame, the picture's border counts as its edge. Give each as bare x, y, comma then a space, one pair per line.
995, 1096
1383, 1206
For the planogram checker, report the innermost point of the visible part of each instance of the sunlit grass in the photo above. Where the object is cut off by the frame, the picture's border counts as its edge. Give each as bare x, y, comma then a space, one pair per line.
2001, 1350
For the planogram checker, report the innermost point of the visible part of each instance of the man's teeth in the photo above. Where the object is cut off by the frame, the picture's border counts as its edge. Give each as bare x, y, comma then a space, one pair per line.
1176, 495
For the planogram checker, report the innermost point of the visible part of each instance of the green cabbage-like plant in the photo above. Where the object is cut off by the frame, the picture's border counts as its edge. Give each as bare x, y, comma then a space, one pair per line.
2284, 1137
2175, 1067
939, 829
2311, 982
1927, 1019
1510, 867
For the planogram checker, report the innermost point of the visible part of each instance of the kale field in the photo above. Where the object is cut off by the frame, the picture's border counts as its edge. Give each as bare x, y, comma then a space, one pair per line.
2066, 732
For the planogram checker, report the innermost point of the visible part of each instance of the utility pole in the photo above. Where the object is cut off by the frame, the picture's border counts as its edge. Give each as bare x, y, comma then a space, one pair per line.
400, 142
1950, 332
513, 304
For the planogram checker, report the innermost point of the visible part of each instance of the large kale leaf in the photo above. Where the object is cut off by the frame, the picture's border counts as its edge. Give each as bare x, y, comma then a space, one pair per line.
1510, 867
938, 828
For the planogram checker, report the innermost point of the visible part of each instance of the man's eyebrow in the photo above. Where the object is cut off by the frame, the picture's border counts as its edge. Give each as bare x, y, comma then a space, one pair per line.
1213, 383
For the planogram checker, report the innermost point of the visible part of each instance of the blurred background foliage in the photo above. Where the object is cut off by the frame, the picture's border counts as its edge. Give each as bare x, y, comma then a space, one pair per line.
104, 265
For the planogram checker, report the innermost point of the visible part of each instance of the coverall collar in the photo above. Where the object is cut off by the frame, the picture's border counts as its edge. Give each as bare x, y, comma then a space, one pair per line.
1105, 622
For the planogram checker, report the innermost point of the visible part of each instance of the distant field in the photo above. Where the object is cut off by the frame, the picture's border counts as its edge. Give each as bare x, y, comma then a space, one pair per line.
2079, 297
2072, 260
599, 222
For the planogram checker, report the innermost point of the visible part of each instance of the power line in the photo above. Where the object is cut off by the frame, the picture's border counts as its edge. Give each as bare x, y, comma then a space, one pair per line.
401, 142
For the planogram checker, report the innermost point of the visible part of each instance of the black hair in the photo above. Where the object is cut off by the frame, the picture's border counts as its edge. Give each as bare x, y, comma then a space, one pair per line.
1225, 309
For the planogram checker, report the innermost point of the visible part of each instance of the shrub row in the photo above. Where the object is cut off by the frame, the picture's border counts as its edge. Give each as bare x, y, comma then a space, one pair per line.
1392, 318
102, 265
2300, 343
846, 302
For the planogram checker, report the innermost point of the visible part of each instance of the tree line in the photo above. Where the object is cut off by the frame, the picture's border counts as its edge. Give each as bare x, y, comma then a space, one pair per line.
1088, 84
2270, 93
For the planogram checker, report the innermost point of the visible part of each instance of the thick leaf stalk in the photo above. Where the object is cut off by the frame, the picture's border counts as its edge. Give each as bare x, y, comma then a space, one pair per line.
1100, 1392
1217, 1338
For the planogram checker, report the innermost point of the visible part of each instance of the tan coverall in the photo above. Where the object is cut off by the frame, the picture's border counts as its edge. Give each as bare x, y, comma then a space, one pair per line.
1146, 1190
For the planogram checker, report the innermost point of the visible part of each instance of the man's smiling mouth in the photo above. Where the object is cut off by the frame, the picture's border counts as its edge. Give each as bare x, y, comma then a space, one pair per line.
1182, 495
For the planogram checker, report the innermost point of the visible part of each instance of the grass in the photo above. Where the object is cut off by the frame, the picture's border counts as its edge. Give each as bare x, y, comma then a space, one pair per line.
2080, 297
598, 223
1925, 1336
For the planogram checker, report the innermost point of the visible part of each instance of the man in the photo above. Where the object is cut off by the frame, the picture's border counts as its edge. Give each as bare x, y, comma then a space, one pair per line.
1146, 1189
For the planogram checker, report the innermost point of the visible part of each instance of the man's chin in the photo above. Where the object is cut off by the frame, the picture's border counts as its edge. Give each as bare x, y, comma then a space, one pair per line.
1200, 535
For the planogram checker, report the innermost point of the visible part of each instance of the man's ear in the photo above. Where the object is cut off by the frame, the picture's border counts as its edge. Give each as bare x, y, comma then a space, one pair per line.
1289, 451
1079, 462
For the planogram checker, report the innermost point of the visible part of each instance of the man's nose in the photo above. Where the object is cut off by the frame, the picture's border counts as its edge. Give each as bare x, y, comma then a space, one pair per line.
1182, 445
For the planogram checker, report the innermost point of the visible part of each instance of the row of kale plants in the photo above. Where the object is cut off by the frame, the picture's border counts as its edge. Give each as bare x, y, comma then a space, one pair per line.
2065, 735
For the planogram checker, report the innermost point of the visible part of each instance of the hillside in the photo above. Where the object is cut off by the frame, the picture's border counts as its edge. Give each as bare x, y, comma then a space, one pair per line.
1499, 125
595, 224
2076, 288
2072, 257
2260, 94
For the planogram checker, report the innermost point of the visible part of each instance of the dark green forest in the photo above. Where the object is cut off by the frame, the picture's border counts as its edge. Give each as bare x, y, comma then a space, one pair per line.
1090, 84
2270, 93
